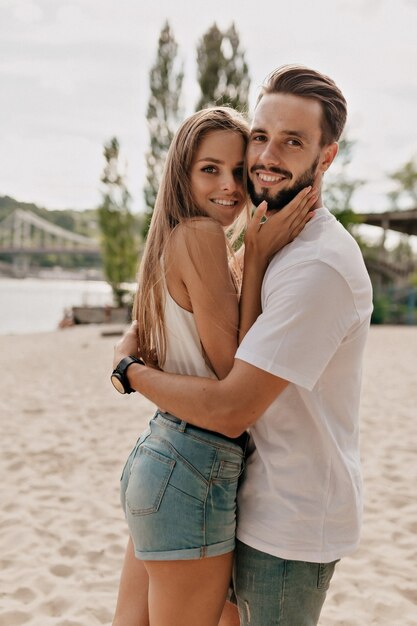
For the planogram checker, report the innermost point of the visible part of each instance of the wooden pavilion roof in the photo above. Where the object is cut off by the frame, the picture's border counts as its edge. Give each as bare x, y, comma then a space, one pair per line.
400, 221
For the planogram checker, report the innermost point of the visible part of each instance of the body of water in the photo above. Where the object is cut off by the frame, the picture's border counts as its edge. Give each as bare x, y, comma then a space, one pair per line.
31, 305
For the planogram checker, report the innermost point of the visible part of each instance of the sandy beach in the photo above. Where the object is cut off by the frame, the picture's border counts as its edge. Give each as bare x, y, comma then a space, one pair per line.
65, 434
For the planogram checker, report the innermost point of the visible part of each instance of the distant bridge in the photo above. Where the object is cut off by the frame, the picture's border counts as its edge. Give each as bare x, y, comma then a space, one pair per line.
25, 233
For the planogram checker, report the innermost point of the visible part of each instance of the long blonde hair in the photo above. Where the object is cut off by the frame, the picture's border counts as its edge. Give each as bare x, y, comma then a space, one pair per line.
174, 205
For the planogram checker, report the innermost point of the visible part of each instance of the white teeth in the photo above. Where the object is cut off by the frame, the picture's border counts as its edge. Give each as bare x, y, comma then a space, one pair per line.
225, 202
270, 179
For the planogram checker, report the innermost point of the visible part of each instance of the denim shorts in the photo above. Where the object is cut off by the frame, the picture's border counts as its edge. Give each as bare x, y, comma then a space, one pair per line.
178, 491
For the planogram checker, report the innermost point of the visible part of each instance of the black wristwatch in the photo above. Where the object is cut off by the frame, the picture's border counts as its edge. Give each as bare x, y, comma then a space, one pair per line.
119, 378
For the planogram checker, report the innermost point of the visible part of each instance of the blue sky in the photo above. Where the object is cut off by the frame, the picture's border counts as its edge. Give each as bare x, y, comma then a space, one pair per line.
74, 73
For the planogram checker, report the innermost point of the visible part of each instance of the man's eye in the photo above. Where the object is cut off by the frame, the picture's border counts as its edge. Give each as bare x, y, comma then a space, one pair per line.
294, 142
259, 138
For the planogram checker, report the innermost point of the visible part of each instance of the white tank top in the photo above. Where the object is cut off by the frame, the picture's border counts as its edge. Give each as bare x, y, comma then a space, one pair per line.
184, 352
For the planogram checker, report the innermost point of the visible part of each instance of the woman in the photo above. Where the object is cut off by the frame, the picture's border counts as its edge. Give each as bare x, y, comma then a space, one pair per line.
179, 484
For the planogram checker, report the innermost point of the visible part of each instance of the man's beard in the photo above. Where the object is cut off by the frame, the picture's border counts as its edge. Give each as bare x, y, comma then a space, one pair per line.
283, 197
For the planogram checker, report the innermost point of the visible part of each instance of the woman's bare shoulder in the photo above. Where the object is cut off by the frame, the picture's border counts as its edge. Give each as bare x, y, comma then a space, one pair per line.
194, 234
195, 225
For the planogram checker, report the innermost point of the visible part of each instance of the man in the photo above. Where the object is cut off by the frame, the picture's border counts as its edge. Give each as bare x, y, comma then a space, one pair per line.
296, 378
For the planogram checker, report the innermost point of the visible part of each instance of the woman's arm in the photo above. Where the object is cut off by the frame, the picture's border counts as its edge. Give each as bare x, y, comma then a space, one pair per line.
262, 241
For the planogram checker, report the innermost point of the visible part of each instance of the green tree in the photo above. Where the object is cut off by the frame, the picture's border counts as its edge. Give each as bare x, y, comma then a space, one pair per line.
223, 73
340, 188
163, 114
405, 179
118, 241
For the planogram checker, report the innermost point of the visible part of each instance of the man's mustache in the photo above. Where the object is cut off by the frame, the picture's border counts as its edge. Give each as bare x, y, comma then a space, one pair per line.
272, 170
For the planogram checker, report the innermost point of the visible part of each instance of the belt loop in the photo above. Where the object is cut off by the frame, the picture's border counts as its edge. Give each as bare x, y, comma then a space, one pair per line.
182, 426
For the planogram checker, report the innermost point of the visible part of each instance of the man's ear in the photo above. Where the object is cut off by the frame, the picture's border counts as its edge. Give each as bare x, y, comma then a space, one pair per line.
328, 155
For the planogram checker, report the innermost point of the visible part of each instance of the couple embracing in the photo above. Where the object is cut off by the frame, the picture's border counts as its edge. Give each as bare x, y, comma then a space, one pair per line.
250, 468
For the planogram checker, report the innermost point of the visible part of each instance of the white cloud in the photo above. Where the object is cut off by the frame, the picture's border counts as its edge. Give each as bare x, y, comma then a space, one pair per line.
27, 11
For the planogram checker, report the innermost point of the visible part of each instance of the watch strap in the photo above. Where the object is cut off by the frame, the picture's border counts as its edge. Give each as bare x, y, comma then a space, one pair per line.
121, 369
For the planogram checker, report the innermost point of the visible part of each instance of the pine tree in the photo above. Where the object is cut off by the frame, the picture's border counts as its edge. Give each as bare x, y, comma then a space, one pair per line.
117, 225
237, 72
210, 67
223, 73
163, 114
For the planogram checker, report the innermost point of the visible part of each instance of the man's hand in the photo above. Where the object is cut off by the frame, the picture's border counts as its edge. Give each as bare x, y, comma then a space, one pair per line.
127, 346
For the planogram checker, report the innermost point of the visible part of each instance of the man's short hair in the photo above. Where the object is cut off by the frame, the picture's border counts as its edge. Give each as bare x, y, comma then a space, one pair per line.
306, 83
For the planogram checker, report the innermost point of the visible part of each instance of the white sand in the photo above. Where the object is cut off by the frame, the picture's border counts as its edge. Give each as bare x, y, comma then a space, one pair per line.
65, 434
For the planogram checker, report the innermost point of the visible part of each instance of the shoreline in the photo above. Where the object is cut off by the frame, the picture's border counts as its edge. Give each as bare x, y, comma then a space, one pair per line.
122, 326
65, 435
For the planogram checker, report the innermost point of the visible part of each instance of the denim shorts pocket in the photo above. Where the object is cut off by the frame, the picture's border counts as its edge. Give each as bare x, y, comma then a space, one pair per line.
229, 470
325, 574
148, 481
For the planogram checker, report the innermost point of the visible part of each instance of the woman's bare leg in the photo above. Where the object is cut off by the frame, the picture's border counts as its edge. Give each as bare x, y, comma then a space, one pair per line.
132, 601
186, 593
230, 615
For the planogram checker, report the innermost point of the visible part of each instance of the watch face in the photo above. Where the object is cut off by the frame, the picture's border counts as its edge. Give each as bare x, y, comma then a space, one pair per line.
117, 383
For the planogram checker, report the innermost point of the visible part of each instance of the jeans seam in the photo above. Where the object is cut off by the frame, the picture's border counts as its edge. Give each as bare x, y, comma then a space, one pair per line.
284, 580
209, 483
180, 458
319, 577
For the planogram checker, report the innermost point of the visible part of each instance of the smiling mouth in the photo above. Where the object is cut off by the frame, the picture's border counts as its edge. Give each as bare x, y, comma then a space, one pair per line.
270, 178
224, 202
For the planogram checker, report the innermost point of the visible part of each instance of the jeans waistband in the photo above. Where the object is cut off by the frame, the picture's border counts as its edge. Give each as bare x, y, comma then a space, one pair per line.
240, 441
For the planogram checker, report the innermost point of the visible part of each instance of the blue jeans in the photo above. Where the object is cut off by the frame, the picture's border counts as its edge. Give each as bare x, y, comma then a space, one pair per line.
178, 491
276, 592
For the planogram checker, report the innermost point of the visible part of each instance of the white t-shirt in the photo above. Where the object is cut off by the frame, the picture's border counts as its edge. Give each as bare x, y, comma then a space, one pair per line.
301, 498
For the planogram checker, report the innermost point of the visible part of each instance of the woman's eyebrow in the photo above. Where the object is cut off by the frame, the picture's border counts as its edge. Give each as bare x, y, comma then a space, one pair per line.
213, 160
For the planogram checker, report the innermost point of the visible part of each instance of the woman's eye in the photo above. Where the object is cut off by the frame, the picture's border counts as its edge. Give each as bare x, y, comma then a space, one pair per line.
238, 173
210, 169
